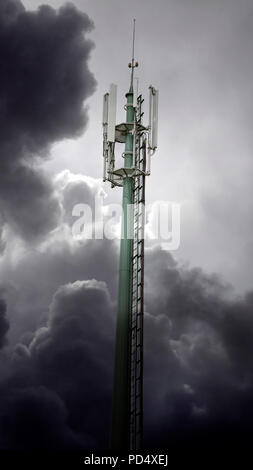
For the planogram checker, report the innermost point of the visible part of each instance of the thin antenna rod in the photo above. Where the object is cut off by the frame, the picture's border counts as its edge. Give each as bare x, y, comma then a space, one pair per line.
132, 65
133, 42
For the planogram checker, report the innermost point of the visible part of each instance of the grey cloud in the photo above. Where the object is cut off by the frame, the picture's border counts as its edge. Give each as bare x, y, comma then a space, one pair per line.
198, 367
28, 298
44, 82
78, 189
9, 10
66, 367
35, 418
28, 202
198, 358
60, 260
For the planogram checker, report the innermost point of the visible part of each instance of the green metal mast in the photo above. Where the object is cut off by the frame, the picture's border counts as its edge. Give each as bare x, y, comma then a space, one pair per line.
126, 425
120, 414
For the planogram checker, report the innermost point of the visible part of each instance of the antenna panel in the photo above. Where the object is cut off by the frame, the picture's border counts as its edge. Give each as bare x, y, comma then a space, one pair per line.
155, 119
112, 103
105, 109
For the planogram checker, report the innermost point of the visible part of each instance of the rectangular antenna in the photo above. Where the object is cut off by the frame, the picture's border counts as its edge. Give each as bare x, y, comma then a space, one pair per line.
155, 119
105, 108
112, 103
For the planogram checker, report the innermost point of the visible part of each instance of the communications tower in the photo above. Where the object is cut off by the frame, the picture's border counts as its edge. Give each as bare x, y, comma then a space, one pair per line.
140, 143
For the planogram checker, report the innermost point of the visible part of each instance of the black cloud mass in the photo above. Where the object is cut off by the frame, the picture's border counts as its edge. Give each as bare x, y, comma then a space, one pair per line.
58, 298
63, 370
44, 79
198, 366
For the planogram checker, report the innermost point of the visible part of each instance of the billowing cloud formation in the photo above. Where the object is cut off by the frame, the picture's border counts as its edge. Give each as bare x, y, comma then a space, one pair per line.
198, 367
44, 82
61, 386
36, 408
59, 260
198, 357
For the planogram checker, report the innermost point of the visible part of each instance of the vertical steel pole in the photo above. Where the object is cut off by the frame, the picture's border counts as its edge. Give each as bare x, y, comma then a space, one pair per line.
120, 431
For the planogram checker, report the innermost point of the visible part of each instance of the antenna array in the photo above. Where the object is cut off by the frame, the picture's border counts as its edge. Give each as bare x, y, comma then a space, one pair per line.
113, 133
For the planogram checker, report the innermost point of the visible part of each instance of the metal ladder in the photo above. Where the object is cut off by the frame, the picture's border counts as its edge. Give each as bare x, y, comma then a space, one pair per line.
136, 326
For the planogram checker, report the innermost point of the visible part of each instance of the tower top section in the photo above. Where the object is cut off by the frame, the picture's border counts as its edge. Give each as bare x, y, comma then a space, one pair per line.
142, 137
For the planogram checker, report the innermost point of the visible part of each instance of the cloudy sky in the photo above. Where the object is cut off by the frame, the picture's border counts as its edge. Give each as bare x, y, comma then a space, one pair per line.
58, 294
198, 55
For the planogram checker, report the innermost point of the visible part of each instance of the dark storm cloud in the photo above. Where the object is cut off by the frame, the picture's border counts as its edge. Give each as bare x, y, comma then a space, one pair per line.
199, 357
44, 81
198, 363
64, 370
36, 408
27, 202
9, 10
